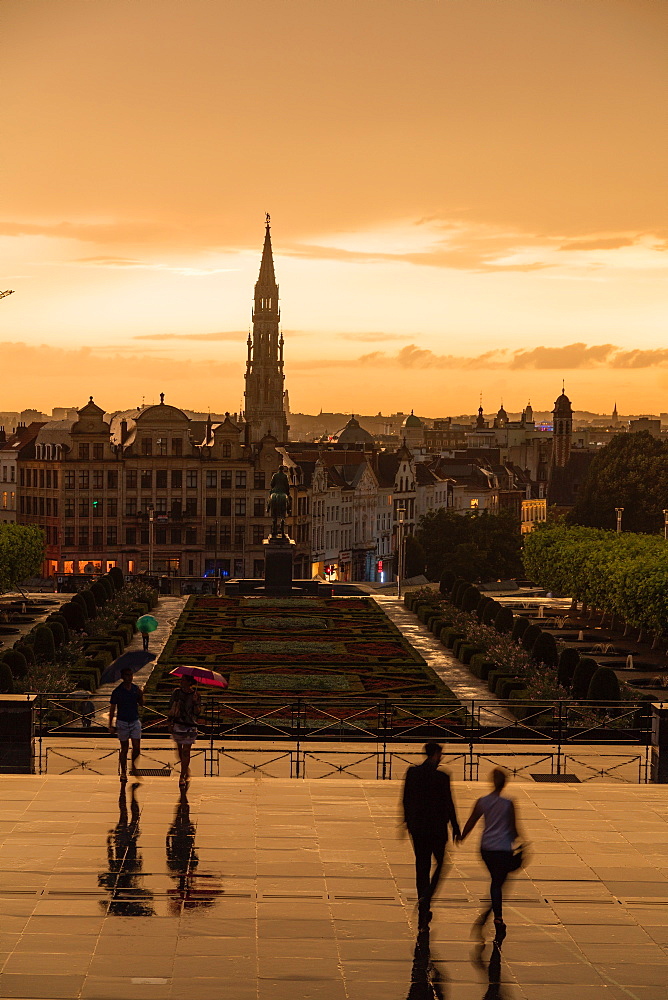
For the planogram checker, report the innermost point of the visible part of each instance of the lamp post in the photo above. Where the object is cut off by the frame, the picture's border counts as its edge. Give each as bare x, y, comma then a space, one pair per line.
215, 560
150, 539
665, 525
619, 511
401, 513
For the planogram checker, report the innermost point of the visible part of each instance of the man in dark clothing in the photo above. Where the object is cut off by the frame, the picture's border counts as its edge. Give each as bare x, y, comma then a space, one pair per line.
428, 808
126, 698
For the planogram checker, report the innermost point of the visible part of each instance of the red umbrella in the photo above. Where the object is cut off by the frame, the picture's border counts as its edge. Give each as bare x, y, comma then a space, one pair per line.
201, 674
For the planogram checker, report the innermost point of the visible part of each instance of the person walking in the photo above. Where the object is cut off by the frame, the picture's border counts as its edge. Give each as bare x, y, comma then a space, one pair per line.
428, 808
126, 700
144, 641
185, 707
496, 848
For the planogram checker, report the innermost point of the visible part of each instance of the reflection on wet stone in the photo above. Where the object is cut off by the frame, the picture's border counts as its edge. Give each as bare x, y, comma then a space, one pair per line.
128, 897
192, 888
427, 982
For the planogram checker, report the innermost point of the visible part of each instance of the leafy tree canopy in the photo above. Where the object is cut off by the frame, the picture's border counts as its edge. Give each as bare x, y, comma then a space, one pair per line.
474, 546
630, 472
21, 553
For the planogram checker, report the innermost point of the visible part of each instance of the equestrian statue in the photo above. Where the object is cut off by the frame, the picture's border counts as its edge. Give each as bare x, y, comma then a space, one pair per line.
279, 504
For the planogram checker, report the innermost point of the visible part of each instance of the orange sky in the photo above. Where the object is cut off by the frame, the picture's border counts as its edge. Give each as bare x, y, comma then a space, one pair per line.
466, 196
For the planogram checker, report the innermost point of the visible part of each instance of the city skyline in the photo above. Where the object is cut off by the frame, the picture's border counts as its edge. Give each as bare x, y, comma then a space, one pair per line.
455, 189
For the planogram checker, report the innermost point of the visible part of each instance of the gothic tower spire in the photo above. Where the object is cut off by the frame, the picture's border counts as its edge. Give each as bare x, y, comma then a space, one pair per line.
264, 395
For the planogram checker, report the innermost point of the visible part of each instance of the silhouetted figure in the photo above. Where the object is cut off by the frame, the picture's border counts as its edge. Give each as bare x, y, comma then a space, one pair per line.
182, 863
185, 707
496, 847
428, 808
426, 981
123, 878
126, 700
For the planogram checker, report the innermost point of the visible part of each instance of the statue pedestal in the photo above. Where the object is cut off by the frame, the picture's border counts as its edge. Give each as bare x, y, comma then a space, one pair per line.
278, 560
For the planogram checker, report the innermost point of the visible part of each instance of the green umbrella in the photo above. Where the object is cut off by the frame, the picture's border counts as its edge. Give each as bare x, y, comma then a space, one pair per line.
147, 623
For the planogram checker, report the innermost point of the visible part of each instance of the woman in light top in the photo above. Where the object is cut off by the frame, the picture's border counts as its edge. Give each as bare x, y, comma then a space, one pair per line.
496, 846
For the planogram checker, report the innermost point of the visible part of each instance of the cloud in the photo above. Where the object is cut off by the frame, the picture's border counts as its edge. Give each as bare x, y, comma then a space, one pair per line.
371, 338
657, 358
569, 356
235, 335
605, 243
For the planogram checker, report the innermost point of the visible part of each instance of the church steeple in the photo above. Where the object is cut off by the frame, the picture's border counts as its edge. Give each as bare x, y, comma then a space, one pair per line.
264, 409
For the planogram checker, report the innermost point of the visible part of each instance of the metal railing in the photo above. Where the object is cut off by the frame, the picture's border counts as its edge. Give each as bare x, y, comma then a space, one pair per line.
471, 731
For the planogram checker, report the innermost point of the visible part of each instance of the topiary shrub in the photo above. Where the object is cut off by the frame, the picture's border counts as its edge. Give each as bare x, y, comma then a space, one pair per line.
582, 676
503, 622
116, 577
89, 600
439, 624
17, 663
6, 678
99, 594
446, 582
482, 604
529, 637
467, 650
495, 675
74, 616
568, 661
57, 630
491, 611
80, 601
44, 646
520, 625
61, 621
470, 599
25, 650
449, 637
507, 686
604, 686
544, 650
458, 592
108, 586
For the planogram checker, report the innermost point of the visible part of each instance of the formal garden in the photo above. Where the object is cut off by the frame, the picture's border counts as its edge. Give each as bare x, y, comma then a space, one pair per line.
286, 647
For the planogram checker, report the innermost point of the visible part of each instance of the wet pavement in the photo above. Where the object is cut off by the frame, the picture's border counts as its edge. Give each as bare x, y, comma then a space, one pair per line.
303, 890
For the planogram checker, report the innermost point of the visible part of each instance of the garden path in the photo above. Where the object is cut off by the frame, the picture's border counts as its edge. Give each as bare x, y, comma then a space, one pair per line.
458, 677
167, 614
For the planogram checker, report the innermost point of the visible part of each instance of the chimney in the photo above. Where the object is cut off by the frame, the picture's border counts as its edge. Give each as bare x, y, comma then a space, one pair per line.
3, 436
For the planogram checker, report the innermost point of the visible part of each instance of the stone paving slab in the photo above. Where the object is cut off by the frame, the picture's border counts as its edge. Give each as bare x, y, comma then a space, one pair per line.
249, 888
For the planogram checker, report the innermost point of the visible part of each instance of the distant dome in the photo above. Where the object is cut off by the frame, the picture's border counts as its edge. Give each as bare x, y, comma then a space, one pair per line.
562, 405
353, 433
501, 415
412, 421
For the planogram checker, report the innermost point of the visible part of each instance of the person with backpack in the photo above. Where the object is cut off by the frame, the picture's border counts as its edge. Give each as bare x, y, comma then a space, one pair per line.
185, 707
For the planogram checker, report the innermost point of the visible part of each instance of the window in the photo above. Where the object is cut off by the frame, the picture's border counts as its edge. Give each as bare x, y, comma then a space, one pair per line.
240, 479
191, 479
475, 503
161, 505
69, 507
55, 478
111, 535
98, 479
48, 478
98, 452
177, 446
41, 506
146, 446
143, 536
258, 569
225, 507
97, 537
146, 479
239, 536
48, 506
131, 507
240, 508
175, 536
259, 481
210, 506
54, 536
98, 507
191, 536
83, 507
161, 446
161, 479
211, 477
131, 479
160, 536
258, 507
130, 536
210, 537
226, 479
83, 536
112, 479
68, 535
112, 508
177, 479
258, 534
83, 452
227, 449
225, 537
83, 480
191, 507
176, 508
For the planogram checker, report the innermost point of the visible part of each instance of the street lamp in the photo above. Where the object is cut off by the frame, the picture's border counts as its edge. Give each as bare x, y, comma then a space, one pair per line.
150, 539
215, 560
665, 525
619, 511
401, 513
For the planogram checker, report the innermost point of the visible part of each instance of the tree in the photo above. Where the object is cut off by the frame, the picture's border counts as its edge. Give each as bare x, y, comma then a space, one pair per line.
630, 472
414, 556
474, 546
21, 553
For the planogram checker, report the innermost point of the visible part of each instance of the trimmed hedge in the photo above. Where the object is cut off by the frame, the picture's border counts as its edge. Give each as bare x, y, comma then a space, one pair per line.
89, 601
467, 650
604, 686
470, 599
74, 616
17, 662
6, 678
544, 650
449, 637
568, 661
582, 676
529, 637
480, 666
490, 612
503, 622
520, 625
44, 645
116, 576
57, 630
447, 582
